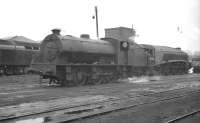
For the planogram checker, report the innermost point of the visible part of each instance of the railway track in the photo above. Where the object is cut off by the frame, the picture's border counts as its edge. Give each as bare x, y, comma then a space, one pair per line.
100, 108
122, 106
182, 117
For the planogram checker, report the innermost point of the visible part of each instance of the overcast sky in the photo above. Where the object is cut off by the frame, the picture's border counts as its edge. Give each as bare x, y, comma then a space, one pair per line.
174, 23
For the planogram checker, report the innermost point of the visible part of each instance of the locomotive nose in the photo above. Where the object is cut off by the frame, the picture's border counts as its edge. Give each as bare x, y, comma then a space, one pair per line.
51, 51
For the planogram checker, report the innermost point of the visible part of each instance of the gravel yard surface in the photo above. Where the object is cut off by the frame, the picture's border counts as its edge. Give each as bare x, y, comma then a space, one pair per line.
25, 89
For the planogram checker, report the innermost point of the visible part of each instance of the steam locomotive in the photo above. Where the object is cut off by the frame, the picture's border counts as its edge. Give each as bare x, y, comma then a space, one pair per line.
16, 54
79, 61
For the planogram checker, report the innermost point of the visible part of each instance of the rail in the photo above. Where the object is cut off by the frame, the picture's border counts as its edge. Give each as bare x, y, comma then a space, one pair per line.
100, 108
183, 116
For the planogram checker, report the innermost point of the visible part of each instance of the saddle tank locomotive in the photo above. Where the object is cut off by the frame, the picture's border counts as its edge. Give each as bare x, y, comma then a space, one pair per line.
79, 61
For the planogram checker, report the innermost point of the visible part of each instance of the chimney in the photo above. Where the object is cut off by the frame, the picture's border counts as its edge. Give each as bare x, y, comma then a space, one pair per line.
86, 36
56, 31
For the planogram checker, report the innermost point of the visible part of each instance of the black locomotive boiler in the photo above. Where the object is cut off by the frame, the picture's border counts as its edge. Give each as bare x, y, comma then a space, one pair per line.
77, 61
16, 54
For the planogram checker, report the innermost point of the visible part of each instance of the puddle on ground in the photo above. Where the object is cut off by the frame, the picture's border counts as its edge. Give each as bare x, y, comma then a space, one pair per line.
68, 113
36, 120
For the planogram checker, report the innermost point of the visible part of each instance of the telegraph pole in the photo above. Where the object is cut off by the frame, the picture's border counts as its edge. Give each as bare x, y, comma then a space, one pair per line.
96, 15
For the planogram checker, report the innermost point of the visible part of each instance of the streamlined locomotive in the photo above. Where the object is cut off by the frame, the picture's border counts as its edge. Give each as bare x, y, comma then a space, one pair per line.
168, 61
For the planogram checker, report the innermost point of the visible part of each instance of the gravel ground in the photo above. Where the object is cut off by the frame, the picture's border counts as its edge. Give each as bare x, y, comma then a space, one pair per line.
151, 113
26, 88
15, 90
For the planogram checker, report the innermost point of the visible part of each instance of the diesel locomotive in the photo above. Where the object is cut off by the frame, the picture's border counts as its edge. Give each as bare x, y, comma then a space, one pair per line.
16, 54
81, 60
